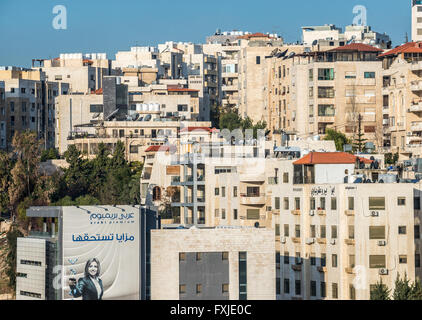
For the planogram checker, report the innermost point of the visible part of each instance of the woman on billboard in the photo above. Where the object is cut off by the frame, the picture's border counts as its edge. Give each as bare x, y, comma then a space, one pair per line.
89, 287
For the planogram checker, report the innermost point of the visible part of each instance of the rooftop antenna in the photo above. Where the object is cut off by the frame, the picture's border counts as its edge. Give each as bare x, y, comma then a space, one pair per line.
406, 39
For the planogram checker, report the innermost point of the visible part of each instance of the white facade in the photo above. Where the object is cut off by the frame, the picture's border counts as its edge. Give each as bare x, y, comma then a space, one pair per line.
416, 20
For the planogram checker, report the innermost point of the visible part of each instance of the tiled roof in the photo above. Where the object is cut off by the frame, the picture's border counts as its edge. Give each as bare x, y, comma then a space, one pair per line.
160, 148
410, 47
361, 47
190, 129
329, 158
254, 35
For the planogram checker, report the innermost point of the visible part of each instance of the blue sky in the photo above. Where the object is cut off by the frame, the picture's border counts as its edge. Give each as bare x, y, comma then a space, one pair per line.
26, 30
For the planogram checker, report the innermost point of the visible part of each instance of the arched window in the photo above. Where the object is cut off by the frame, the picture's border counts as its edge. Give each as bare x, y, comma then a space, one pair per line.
156, 194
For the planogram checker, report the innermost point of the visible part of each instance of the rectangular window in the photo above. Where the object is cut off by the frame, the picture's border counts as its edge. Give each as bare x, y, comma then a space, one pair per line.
217, 213
96, 108
417, 203
402, 259
313, 289
323, 259
334, 290
323, 232
326, 92
311, 74
401, 201
297, 288
351, 261
286, 203
235, 214
252, 214
333, 232
351, 232
313, 231
223, 191
277, 203
235, 192
258, 60
417, 232
286, 230
377, 232
287, 286
243, 292
223, 214
376, 203
285, 177
313, 259
326, 74
225, 289
297, 203
225, 256
323, 289
334, 261
322, 203
312, 203
352, 292
286, 257
377, 261
182, 288
417, 260
182, 256
350, 75
198, 256
402, 229
217, 191
326, 110
369, 75
297, 230
333, 203
277, 230
198, 288
351, 203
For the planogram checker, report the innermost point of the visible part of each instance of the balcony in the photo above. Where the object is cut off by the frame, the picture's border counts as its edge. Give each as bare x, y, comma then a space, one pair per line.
350, 242
230, 88
322, 241
349, 213
210, 72
416, 107
416, 126
416, 66
321, 212
322, 269
210, 60
327, 119
297, 267
349, 270
296, 240
252, 198
385, 109
296, 212
416, 85
175, 179
414, 140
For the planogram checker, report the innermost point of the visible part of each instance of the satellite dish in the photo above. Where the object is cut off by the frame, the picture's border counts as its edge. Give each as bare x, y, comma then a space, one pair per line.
315, 42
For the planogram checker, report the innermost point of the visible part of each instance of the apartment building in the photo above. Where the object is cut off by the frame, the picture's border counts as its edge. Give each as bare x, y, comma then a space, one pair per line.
29, 104
333, 89
146, 57
2, 116
83, 72
402, 104
326, 36
416, 20
212, 264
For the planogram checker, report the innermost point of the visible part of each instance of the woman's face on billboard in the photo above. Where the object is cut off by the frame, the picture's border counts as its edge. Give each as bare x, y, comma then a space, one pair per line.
93, 268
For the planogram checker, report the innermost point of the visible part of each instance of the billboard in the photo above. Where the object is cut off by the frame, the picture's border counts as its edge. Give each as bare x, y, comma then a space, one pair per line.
100, 253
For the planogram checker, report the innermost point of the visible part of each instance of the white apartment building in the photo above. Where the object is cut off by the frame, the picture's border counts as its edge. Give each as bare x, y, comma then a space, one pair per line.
416, 20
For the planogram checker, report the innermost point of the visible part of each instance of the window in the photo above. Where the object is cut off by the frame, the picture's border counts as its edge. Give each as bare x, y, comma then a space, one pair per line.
198, 288
198, 256
376, 261
277, 203
182, 288
30, 294
286, 230
297, 288
277, 230
323, 232
333, 232
352, 292
401, 201
351, 232
286, 286
96, 108
322, 203
133, 149
333, 203
334, 290
311, 74
323, 259
313, 259
217, 191
223, 214
323, 289
326, 92
297, 203
377, 232
12, 106
182, 256
252, 214
223, 191
351, 203
417, 203
258, 60
376, 203
326, 74
350, 75
417, 232
297, 230
286, 203
417, 260
312, 203
313, 289
351, 261
313, 231
225, 288
22, 275
286, 257
285, 177
243, 276
23, 90
235, 214
402, 259
217, 213
402, 229
334, 261
31, 263
235, 192
369, 75
311, 92
326, 110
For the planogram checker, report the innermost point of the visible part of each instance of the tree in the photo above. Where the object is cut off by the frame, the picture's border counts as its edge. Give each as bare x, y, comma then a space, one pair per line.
99, 170
11, 237
416, 290
5, 181
359, 141
231, 121
380, 292
339, 138
403, 289
75, 178
50, 154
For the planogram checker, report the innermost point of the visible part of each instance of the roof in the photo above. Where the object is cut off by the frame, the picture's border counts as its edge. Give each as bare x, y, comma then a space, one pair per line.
360, 47
330, 158
99, 91
190, 129
254, 35
181, 90
287, 149
160, 148
410, 47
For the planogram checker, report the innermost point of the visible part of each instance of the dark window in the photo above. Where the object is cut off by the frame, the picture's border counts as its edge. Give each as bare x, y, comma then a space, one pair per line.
417, 232
287, 286
96, 108
286, 258
258, 60
243, 276
323, 289
402, 229
417, 203
297, 288
235, 214
313, 289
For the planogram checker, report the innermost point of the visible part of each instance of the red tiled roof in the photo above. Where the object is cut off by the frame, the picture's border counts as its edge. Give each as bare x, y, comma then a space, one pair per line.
190, 129
330, 158
361, 47
410, 47
254, 35
160, 148
181, 90
99, 91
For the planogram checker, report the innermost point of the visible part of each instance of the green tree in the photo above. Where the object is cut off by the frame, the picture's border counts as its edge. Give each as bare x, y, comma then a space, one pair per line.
380, 292
403, 289
75, 178
11, 237
231, 121
339, 138
416, 290
99, 170
5, 181
49, 154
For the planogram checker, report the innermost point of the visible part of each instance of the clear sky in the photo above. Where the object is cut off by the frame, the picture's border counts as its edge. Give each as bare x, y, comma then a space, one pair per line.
26, 30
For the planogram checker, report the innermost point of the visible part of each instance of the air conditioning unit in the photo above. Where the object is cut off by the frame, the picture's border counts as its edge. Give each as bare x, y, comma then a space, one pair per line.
283, 239
312, 213
383, 271
382, 243
310, 241
333, 241
375, 214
